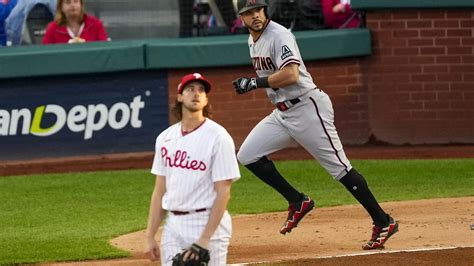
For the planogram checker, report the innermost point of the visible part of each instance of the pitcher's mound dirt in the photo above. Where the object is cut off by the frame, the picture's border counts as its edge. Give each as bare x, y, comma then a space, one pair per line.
335, 231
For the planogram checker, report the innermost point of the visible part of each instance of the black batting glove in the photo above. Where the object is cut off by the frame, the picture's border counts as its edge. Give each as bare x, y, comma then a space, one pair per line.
243, 85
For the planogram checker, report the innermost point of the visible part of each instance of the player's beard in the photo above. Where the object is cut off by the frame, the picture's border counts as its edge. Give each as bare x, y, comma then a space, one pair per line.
258, 28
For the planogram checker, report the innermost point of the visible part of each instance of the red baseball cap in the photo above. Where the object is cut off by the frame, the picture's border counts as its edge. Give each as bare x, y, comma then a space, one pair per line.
194, 77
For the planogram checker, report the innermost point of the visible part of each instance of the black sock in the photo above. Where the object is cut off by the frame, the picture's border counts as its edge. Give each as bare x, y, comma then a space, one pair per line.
267, 172
356, 184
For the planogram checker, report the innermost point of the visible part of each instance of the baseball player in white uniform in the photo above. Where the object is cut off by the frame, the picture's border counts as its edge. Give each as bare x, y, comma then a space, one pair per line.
303, 115
195, 165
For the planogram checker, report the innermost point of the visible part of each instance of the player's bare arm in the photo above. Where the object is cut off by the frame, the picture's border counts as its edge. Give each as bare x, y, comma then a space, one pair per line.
217, 211
218, 208
155, 218
287, 76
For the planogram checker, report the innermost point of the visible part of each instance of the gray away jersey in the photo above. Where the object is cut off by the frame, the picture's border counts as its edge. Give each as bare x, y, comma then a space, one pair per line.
273, 50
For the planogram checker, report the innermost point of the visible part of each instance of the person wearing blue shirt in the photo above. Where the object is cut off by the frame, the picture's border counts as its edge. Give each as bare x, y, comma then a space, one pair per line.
16, 19
6, 7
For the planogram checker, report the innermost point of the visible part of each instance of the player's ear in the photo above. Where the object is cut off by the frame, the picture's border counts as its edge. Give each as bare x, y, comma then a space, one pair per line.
179, 98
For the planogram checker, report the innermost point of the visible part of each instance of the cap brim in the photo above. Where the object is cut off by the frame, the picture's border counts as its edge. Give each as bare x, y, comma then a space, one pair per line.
206, 84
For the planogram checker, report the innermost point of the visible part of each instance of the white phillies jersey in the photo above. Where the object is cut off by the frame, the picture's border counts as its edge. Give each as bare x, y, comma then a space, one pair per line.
191, 163
272, 51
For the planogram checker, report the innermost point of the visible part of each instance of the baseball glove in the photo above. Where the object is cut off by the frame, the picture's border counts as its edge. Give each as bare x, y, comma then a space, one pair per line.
201, 253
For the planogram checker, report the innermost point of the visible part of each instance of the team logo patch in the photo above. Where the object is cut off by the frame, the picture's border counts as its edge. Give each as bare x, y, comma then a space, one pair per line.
251, 2
285, 52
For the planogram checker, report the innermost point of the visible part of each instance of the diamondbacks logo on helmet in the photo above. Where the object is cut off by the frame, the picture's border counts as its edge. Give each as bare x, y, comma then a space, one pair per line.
245, 5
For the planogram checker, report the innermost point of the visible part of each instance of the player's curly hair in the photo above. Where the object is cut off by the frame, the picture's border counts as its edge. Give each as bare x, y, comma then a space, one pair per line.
178, 110
60, 18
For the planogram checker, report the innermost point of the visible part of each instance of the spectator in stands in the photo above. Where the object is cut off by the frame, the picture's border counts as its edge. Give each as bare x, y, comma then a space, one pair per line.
339, 15
17, 18
6, 7
73, 25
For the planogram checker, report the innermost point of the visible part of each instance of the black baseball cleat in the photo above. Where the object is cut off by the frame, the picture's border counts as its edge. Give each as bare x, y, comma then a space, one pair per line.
296, 212
380, 234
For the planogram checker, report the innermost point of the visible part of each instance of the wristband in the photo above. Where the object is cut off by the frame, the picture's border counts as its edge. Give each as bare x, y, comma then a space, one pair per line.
263, 82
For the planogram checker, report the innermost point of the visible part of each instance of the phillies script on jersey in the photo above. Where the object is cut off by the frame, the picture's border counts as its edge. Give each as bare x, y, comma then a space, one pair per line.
181, 160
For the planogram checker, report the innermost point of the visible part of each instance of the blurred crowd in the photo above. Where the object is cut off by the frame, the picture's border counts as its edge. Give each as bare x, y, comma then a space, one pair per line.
24, 22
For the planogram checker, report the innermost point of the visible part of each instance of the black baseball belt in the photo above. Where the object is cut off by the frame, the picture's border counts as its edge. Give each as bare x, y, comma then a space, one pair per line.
188, 212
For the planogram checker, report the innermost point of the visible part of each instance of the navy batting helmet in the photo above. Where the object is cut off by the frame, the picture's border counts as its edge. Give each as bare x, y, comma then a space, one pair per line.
244, 5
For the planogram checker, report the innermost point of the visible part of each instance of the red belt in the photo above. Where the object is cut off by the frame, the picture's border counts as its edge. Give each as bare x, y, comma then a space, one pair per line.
189, 212
283, 106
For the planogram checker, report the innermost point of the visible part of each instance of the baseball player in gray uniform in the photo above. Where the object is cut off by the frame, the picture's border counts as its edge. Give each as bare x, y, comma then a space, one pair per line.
195, 165
303, 115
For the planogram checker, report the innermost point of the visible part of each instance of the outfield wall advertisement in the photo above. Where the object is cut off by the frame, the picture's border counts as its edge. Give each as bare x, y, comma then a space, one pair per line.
82, 115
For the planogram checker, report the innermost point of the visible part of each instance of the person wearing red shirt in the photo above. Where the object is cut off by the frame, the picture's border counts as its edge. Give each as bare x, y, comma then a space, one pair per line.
338, 14
73, 25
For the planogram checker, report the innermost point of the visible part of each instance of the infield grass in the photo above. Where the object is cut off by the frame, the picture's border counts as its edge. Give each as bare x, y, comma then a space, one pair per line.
60, 217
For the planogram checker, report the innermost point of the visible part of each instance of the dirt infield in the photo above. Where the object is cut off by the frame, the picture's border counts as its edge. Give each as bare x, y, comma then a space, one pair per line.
432, 232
